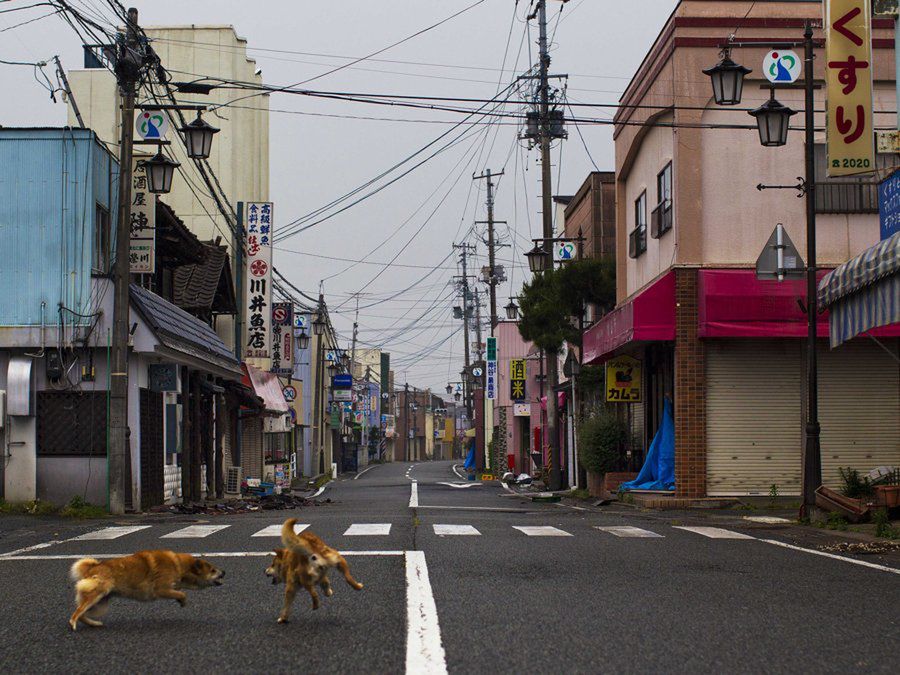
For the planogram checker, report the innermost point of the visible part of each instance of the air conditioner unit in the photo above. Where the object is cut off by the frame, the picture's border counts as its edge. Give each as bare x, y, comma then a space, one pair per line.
233, 480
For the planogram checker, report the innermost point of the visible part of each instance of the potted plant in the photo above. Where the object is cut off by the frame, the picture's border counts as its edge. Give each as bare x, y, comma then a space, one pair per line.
602, 441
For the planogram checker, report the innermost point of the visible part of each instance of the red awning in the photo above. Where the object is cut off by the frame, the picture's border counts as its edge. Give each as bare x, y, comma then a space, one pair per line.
267, 386
648, 316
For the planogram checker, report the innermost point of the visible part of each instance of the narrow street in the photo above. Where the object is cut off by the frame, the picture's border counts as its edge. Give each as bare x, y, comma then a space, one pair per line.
516, 586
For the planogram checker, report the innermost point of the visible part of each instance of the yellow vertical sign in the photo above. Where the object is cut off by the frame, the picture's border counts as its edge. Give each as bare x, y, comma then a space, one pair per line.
517, 378
848, 86
623, 380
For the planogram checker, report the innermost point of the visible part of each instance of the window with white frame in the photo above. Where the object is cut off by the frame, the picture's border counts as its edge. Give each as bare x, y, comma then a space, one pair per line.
661, 216
637, 240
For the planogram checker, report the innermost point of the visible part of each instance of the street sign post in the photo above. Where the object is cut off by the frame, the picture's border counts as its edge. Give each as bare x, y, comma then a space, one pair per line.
779, 258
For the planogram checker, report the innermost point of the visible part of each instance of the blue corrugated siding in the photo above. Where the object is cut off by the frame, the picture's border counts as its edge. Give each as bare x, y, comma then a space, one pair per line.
50, 183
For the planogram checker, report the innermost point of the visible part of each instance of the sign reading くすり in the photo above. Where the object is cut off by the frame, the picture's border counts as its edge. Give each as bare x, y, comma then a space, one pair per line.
623, 380
848, 84
258, 286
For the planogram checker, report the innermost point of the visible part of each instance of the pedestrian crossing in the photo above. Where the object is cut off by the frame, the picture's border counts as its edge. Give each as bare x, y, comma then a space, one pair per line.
273, 531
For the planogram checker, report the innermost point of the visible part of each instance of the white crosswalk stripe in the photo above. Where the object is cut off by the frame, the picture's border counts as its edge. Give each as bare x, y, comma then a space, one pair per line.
194, 532
275, 530
110, 532
714, 532
455, 530
629, 531
368, 529
541, 531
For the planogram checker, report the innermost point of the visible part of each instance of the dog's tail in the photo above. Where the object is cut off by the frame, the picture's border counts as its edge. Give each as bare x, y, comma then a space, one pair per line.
290, 540
81, 567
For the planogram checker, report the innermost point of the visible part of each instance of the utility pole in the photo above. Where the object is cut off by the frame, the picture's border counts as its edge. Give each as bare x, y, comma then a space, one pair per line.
406, 420
465, 249
492, 281
65, 83
547, 215
479, 345
128, 71
355, 332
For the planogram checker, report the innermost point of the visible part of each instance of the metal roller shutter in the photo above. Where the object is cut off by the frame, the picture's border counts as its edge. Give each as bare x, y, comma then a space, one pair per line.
252, 447
859, 408
753, 416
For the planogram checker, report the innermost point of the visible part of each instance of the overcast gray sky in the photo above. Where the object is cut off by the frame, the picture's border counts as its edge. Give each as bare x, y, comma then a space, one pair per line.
314, 159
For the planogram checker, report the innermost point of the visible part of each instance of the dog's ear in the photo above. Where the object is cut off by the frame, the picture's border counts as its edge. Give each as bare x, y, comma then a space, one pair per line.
278, 552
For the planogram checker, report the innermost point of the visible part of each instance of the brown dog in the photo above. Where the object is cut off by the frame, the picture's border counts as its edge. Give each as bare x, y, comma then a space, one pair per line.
305, 561
145, 575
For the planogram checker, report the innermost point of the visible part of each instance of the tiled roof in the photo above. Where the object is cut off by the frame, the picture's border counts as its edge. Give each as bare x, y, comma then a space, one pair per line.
196, 285
180, 331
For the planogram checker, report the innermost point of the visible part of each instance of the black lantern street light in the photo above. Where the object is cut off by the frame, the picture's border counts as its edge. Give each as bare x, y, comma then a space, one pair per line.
457, 396
319, 325
332, 368
198, 137
303, 340
345, 360
512, 311
160, 170
449, 388
772, 119
537, 259
727, 79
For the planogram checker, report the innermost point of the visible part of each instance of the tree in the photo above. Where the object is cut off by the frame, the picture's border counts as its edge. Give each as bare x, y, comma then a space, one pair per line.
551, 300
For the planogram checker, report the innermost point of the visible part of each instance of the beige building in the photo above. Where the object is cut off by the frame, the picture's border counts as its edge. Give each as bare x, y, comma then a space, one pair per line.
724, 346
240, 151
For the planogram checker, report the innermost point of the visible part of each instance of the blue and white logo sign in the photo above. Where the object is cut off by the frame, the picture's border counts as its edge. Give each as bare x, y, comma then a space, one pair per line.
782, 65
565, 250
301, 321
151, 125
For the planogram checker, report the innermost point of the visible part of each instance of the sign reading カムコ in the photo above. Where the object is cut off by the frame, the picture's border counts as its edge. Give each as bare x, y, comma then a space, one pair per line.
258, 297
517, 379
623, 380
848, 85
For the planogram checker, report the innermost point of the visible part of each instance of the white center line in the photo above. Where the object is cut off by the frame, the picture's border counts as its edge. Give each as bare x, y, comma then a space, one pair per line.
110, 533
424, 649
541, 531
275, 530
35, 547
883, 568
368, 530
194, 532
628, 531
414, 495
356, 477
714, 532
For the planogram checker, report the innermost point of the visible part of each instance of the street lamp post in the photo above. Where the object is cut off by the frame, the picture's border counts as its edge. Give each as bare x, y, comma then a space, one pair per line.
772, 121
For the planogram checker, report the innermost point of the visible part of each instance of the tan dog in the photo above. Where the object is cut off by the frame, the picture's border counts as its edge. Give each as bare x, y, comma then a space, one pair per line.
305, 561
145, 575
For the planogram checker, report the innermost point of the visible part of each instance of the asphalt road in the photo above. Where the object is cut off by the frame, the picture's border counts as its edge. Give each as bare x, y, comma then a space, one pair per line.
481, 596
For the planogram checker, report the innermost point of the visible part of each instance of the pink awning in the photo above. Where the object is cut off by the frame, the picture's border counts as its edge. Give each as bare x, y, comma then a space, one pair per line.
648, 316
267, 386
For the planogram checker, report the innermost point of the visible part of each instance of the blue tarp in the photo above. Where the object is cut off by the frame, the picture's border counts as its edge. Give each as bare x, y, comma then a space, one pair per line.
658, 472
470, 458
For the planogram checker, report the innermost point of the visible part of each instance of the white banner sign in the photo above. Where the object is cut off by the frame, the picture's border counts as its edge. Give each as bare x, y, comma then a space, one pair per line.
258, 285
282, 339
142, 244
491, 381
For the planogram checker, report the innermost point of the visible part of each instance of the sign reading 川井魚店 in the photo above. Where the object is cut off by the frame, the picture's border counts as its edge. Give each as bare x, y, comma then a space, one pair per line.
258, 285
848, 86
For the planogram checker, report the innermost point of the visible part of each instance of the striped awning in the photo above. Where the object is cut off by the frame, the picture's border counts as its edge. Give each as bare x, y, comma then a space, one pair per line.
864, 292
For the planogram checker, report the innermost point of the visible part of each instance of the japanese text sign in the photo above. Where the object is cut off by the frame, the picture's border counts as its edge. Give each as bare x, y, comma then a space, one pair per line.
623, 380
889, 205
282, 338
142, 225
517, 379
848, 83
258, 295
490, 384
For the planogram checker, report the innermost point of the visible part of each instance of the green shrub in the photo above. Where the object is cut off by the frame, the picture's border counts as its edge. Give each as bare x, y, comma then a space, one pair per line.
836, 522
78, 508
601, 442
883, 527
855, 487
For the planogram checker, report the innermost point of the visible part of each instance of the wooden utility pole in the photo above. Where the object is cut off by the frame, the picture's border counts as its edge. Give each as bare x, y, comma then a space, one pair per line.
492, 268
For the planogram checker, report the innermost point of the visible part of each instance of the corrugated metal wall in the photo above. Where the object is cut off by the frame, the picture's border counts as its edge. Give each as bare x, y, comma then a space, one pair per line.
753, 416
50, 183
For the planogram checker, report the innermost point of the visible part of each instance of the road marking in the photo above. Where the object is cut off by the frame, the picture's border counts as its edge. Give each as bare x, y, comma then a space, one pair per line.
109, 533
194, 532
883, 568
771, 520
319, 491
356, 477
34, 547
508, 488
275, 530
541, 531
458, 485
477, 508
424, 650
455, 466
199, 554
455, 530
368, 530
629, 531
414, 495
714, 532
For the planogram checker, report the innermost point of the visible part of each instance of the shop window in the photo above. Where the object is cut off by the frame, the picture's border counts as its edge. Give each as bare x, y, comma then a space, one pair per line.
849, 194
275, 448
637, 240
661, 216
